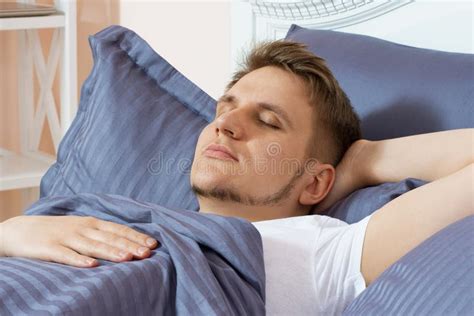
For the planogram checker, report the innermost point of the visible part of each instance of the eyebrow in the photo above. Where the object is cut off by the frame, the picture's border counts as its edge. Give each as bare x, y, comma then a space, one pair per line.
264, 105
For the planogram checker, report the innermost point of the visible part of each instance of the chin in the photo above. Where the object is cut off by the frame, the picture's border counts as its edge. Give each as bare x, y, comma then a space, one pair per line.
205, 165
209, 179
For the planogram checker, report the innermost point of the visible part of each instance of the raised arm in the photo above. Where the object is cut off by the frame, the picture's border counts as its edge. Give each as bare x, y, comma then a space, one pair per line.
405, 222
443, 158
426, 156
446, 160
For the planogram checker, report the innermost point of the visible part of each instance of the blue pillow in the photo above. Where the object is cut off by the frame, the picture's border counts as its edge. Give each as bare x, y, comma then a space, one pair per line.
397, 90
435, 278
136, 127
364, 202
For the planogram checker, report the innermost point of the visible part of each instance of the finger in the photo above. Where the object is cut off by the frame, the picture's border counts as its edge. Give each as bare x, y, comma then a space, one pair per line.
116, 241
97, 249
127, 232
64, 255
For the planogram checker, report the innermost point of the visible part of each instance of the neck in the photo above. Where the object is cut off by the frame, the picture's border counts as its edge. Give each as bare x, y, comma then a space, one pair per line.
253, 213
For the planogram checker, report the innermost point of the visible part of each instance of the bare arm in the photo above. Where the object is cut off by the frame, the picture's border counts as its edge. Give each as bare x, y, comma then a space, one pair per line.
405, 222
443, 158
425, 156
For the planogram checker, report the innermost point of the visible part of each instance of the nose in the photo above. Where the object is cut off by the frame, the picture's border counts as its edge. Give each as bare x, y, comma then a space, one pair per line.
230, 125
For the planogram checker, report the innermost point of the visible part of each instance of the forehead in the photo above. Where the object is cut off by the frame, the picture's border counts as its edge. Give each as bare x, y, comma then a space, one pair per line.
276, 86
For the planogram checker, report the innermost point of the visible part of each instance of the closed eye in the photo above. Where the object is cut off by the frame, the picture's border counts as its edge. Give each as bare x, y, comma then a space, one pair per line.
268, 124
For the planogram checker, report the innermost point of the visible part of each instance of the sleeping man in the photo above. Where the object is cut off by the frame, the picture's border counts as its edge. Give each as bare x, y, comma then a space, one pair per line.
285, 144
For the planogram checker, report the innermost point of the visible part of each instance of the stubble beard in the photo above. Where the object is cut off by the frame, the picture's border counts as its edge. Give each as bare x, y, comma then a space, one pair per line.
232, 194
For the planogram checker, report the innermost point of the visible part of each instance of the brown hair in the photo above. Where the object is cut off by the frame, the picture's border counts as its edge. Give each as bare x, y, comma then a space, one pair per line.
337, 126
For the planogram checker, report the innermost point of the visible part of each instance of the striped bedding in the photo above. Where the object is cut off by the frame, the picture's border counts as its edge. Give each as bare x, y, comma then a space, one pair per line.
206, 265
435, 278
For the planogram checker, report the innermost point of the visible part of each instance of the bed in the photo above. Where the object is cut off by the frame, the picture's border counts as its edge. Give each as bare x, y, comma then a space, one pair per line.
127, 155
390, 48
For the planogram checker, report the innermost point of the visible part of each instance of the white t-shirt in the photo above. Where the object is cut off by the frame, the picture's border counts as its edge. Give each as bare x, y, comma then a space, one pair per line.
312, 264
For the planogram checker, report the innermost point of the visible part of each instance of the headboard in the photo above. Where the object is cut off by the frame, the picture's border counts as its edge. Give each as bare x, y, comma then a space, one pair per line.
441, 25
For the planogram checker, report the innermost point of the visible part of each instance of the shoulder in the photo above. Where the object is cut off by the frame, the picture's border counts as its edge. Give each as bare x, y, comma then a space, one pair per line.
300, 222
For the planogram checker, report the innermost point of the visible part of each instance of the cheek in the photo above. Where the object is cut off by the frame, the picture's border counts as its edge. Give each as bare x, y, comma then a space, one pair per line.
282, 158
266, 155
276, 149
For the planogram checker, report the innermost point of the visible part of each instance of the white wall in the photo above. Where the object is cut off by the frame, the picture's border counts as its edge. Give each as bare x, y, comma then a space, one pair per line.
445, 25
194, 36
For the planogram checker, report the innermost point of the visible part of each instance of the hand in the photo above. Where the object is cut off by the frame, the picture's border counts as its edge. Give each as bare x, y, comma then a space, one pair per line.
351, 175
72, 240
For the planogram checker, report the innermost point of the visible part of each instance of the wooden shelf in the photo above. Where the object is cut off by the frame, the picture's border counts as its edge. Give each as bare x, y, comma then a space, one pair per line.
35, 106
22, 171
32, 22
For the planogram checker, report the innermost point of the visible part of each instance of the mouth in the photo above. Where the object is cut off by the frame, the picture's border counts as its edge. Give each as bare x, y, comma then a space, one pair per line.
219, 152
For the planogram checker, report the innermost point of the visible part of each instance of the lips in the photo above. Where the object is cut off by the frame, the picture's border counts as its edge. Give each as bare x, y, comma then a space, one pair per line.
219, 152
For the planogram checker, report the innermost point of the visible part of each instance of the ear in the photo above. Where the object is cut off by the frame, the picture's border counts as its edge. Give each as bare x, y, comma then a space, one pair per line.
320, 180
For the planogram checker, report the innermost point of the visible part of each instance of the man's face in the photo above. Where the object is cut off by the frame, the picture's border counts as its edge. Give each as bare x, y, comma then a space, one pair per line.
264, 124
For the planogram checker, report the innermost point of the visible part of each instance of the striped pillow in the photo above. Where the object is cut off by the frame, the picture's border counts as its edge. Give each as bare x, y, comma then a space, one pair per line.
136, 127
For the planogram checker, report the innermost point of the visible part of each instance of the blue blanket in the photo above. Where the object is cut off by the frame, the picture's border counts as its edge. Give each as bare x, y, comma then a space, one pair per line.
205, 265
